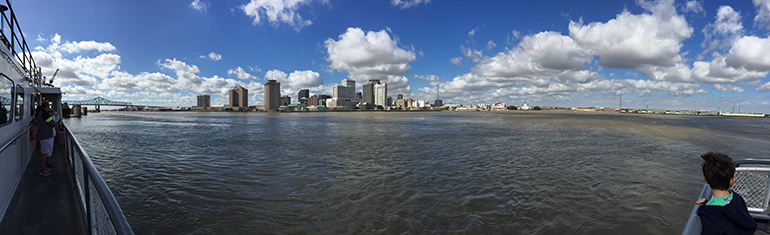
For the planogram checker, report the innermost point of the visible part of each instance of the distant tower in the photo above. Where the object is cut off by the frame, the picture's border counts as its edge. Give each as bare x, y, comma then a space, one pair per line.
239, 97
285, 100
368, 91
304, 93
381, 94
272, 95
438, 102
204, 101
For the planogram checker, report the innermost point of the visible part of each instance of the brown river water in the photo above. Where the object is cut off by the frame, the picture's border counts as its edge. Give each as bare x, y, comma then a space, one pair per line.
409, 172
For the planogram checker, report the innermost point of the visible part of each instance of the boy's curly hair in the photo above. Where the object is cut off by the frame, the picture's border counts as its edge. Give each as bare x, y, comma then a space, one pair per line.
718, 169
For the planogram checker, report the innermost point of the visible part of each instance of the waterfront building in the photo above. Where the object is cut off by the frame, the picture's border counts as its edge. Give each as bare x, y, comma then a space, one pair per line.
313, 100
204, 101
525, 106
380, 95
368, 91
239, 98
349, 83
285, 100
322, 99
499, 106
304, 93
358, 95
438, 103
272, 95
400, 96
389, 101
343, 92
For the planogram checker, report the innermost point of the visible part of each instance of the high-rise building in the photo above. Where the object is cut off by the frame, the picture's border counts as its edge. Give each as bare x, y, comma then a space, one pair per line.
239, 97
381, 95
349, 83
285, 100
368, 91
389, 101
313, 100
304, 93
204, 101
272, 95
400, 96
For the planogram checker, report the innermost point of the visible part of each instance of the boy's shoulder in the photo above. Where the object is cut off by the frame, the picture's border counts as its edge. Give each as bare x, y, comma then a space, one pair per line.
733, 218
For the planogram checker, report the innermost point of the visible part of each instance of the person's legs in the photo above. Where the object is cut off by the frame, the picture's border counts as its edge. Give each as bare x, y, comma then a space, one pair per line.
46, 148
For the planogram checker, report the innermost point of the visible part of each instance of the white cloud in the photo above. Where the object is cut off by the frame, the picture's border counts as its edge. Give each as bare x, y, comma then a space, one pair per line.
491, 45
633, 41
184, 72
199, 6
473, 54
763, 13
369, 55
213, 56
255, 69
731, 88
278, 11
433, 79
457, 61
750, 52
240, 73
537, 56
693, 6
296, 80
724, 31
407, 3
763, 88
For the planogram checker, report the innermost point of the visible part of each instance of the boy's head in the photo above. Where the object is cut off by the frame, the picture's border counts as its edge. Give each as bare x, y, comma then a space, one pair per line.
718, 169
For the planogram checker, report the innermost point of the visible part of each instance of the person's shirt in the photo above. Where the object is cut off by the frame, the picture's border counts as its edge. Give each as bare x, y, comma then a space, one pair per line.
55, 120
726, 215
45, 122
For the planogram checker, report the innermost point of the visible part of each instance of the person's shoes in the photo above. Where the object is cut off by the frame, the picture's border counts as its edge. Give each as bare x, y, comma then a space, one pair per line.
45, 172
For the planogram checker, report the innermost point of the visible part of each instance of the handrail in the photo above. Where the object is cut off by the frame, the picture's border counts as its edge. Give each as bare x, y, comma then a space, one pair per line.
27, 62
108, 200
14, 139
750, 160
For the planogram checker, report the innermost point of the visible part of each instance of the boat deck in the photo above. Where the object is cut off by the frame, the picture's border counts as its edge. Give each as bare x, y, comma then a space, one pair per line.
44, 205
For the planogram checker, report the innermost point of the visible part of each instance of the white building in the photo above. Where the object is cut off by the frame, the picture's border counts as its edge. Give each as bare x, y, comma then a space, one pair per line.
525, 106
381, 95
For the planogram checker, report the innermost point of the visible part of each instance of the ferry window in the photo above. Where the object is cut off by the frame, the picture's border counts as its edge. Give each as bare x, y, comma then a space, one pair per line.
6, 98
19, 103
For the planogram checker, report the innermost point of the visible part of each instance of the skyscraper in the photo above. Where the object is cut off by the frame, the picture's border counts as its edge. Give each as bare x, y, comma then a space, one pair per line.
368, 91
304, 93
204, 101
272, 95
239, 97
381, 95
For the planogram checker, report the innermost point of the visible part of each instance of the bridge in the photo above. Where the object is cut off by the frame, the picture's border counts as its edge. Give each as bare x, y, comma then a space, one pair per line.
99, 101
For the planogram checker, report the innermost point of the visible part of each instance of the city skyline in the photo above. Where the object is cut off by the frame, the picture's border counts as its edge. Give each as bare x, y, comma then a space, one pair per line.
694, 55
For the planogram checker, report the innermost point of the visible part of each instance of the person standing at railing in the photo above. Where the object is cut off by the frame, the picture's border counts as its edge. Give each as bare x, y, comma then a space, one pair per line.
725, 212
46, 137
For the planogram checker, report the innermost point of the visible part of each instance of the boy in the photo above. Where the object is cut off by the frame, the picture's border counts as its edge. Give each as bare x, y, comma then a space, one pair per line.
726, 212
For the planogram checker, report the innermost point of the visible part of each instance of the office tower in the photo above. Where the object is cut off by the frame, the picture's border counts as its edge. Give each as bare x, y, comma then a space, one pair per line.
400, 96
304, 93
389, 101
349, 83
438, 102
204, 101
272, 95
285, 100
239, 97
381, 94
313, 100
368, 91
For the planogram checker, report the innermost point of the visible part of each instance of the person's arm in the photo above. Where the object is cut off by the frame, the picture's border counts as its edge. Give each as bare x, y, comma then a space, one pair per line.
48, 119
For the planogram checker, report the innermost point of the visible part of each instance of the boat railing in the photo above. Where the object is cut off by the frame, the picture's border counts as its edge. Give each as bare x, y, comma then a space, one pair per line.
12, 38
752, 182
101, 212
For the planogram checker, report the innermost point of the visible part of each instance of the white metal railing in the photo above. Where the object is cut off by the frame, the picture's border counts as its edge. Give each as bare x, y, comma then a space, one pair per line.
101, 212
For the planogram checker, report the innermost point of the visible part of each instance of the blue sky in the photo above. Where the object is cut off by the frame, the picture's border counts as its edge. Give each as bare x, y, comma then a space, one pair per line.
665, 54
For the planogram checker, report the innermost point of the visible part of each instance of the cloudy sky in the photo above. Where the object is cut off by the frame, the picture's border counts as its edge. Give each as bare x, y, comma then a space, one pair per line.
698, 55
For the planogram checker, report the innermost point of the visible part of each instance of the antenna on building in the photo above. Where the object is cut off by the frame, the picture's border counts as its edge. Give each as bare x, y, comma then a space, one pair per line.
437, 90
620, 104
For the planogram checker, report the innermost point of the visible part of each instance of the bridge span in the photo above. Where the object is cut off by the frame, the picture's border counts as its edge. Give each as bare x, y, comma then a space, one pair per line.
99, 101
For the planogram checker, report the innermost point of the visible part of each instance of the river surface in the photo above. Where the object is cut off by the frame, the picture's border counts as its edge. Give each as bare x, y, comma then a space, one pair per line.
409, 172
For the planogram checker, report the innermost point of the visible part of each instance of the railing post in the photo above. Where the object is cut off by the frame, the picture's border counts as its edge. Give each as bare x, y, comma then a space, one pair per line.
87, 191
